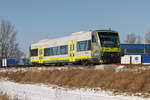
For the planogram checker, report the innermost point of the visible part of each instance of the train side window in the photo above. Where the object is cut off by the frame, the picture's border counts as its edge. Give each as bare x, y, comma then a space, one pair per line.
46, 51
34, 52
93, 39
50, 51
58, 50
89, 44
81, 46
54, 50
84, 45
64, 49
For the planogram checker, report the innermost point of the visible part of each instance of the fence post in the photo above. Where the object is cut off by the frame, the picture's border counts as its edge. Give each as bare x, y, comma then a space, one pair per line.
4, 62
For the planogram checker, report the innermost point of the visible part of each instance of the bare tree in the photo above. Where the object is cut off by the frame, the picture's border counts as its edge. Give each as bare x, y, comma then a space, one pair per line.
147, 37
131, 38
9, 48
139, 39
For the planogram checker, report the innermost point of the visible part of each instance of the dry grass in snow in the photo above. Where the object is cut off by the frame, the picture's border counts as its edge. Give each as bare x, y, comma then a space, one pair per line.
124, 81
4, 97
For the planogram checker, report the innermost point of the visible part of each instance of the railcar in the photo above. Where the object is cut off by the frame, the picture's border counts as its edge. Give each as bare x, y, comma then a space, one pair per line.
85, 47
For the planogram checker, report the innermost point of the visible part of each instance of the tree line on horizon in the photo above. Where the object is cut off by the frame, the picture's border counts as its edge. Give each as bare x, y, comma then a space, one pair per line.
132, 38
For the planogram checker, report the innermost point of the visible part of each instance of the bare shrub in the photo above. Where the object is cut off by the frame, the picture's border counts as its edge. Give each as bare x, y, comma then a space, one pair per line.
147, 37
131, 38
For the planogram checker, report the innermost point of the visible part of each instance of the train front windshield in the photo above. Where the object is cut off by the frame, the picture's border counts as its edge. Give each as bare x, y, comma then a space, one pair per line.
109, 39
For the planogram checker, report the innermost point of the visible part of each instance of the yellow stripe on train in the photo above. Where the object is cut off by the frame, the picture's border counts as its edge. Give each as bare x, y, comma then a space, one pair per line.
69, 59
109, 49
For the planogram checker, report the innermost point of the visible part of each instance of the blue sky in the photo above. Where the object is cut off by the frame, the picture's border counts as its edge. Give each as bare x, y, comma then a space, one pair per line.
45, 19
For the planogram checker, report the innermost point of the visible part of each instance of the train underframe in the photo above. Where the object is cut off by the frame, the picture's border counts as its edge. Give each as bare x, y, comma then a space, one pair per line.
111, 57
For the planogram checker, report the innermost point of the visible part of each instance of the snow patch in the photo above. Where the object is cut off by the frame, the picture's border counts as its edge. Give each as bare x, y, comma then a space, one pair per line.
43, 92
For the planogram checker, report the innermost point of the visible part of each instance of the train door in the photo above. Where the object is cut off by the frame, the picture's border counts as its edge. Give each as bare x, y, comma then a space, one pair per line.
96, 53
72, 51
40, 54
95, 46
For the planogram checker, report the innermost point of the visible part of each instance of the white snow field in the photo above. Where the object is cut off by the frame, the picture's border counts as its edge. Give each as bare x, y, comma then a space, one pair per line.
43, 92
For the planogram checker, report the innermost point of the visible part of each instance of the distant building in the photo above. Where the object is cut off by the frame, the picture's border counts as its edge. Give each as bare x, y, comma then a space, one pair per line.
135, 49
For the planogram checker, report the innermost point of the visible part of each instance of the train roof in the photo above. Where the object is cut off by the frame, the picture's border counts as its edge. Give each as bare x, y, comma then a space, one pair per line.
79, 36
82, 35
109, 30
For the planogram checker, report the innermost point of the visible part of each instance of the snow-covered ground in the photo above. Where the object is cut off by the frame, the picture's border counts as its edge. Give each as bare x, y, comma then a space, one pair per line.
43, 92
